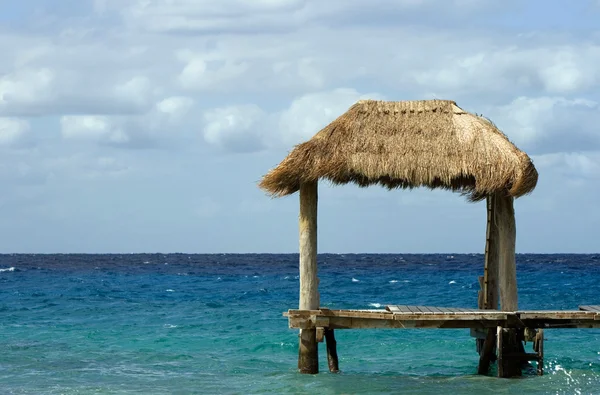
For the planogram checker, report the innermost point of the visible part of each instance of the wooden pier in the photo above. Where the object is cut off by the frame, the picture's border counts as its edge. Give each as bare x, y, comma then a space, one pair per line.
527, 324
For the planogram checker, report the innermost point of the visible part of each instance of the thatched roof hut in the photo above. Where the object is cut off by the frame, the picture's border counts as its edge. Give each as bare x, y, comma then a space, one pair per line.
431, 143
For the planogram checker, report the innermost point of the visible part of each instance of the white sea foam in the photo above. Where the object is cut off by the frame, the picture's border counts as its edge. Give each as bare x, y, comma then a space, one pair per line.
376, 305
8, 269
452, 282
170, 290
571, 381
354, 280
393, 281
170, 326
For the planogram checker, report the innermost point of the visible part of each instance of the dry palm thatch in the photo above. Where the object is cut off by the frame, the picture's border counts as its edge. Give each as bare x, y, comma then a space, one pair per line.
432, 143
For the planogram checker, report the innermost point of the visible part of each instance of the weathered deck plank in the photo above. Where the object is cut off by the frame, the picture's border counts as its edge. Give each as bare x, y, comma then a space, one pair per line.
392, 309
404, 316
595, 308
556, 314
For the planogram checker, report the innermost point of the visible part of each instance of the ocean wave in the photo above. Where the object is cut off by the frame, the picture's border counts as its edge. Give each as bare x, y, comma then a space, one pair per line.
355, 280
393, 281
8, 269
376, 305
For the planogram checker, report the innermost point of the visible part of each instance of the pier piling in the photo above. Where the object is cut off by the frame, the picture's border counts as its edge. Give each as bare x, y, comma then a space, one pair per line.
308, 353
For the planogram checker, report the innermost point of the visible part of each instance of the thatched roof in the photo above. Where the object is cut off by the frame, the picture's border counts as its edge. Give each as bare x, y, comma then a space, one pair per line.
432, 143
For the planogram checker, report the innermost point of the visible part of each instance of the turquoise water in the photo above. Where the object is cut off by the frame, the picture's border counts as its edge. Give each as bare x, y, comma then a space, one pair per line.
212, 324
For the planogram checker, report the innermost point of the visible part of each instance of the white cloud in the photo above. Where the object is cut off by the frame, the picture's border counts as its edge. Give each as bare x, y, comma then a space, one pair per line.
253, 65
148, 129
236, 128
571, 165
312, 112
550, 124
136, 90
201, 74
569, 69
184, 16
249, 128
92, 127
43, 91
455, 64
127, 70
25, 88
42, 76
550, 68
12, 131
175, 107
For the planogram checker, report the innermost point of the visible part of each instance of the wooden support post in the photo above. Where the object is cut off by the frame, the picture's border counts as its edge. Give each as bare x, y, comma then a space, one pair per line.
538, 347
492, 257
320, 334
487, 352
505, 220
514, 346
308, 357
332, 357
489, 289
507, 279
480, 305
499, 347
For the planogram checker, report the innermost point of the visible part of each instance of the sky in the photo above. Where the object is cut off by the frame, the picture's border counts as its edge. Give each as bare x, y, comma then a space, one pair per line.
145, 125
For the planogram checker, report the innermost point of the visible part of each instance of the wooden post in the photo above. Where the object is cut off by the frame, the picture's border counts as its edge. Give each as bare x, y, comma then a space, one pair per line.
505, 220
308, 357
499, 347
539, 349
332, 357
510, 356
487, 352
507, 280
492, 257
489, 290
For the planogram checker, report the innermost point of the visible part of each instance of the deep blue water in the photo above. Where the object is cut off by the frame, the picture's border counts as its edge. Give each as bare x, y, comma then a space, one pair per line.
179, 324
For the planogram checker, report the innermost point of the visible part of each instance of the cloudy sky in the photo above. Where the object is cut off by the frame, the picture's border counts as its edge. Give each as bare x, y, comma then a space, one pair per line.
144, 125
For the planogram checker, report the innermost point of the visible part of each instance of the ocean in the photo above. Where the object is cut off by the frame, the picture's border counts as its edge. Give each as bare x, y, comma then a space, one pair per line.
213, 324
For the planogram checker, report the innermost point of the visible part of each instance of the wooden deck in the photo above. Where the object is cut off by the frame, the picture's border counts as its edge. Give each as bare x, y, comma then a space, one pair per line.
402, 316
